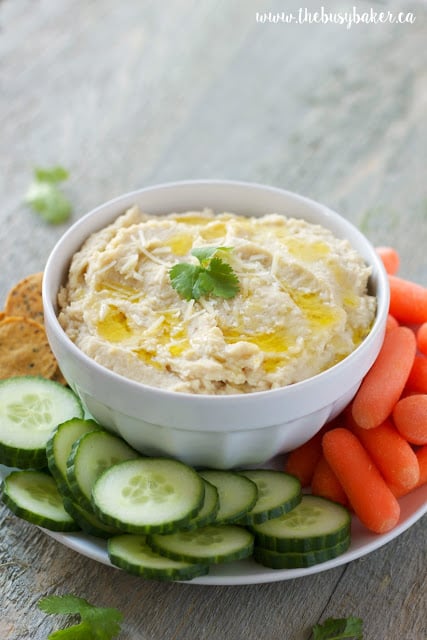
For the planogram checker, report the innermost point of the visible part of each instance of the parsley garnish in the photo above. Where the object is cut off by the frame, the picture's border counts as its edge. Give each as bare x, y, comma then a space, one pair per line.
45, 197
211, 276
338, 629
97, 623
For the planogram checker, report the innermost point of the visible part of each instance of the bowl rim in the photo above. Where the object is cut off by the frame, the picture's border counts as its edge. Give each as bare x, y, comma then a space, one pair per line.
125, 201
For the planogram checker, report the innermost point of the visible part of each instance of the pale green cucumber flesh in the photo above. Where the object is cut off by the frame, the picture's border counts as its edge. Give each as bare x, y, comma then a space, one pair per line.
30, 408
212, 544
33, 496
278, 493
299, 559
148, 495
132, 553
237, 494
208, 511
60, 442
88, 521
315, 523
90, 456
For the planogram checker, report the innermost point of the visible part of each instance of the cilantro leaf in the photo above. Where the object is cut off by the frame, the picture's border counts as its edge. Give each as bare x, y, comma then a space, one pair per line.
338, 629
204, 254
226, 284
97, 623
45, 197
211, 276
184, 278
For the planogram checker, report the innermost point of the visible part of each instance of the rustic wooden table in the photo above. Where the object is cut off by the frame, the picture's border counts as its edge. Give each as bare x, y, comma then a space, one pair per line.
127, 94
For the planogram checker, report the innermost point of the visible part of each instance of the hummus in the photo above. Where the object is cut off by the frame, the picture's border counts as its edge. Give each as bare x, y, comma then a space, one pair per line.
302, 306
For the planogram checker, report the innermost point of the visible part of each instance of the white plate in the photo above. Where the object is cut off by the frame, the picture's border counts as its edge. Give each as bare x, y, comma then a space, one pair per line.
413, 507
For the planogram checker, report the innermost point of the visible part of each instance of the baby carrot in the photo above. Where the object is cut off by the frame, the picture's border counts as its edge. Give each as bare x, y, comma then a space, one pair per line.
410, 418
301, 461
325, 483
422, 338
408, 300
390, 259
366, 489
391, 322
422, 463
417, 379
383, 384
391, 453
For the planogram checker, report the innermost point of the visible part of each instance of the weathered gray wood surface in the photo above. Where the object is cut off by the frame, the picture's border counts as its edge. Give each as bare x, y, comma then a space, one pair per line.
126, 94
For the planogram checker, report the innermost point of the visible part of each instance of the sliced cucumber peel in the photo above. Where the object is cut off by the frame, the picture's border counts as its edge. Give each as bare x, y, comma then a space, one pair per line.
212, 544
132, 553
30, 409
148, 495
314, 524
33, 496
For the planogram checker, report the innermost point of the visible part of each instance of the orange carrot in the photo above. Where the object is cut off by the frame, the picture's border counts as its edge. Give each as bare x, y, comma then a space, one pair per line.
302, 461
399, 492
383, 384
390, 259
410, 418
408, 300
422, 463
325, 483
422, 338
366, 489
391, 453
392, 323
417, 379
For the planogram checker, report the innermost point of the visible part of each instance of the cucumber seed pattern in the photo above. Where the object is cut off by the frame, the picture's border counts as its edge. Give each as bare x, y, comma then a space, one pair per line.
102, 464
146, 488
303, 516
205, 537
44, 493
32, 412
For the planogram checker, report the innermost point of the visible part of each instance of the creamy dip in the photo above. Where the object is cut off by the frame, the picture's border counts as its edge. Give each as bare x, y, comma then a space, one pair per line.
302, 306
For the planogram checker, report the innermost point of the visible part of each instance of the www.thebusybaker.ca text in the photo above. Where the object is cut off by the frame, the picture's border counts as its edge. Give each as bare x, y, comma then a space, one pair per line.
347, 18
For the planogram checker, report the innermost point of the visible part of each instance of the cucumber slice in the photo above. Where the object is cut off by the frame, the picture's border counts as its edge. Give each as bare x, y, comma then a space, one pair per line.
148, 495
132, 553
278, 493
87, 520
91, 454
314, 524
33, 496
208, 511
237, 494
301, 559
59, 445
212, 544
30, 408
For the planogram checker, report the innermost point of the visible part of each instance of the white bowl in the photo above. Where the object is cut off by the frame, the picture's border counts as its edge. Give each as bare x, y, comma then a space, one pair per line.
206, 430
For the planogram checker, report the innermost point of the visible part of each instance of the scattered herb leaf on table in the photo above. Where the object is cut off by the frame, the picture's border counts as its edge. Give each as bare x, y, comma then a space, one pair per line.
46, 198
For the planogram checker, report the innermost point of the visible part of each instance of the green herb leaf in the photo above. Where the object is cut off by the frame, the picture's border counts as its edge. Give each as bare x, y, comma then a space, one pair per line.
54, 174
204, 254
97, 623
211, 276
338, 629
184, 279
45, 197
225, 282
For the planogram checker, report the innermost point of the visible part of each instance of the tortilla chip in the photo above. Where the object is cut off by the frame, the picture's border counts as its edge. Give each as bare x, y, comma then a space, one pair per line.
25, 298
24, 349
